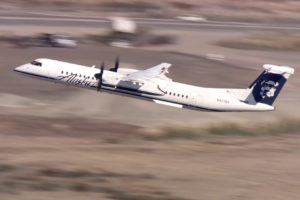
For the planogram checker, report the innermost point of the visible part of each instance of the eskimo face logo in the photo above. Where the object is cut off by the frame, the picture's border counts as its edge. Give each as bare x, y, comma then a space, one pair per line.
268, 88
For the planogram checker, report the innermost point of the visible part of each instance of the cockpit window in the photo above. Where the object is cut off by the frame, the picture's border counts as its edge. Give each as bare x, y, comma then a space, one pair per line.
36, 63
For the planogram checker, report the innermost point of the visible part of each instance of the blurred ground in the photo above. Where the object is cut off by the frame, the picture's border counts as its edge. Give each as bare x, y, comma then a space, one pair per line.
65, 142
56, 159
224, 10
239, 69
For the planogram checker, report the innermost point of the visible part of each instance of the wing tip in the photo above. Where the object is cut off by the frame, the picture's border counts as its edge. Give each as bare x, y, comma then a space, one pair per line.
166, 64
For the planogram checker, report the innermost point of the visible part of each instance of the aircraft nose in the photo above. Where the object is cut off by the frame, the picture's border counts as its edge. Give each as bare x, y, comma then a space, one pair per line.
17, 69
21, 68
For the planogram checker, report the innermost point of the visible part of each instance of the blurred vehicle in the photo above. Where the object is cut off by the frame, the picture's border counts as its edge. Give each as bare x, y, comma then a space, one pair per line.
124, 44
124, 25
192, 18
48, 40
125, 33
141, 38
63, 41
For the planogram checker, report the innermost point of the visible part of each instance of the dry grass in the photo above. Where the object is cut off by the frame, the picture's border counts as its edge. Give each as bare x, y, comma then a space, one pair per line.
227, 130
266, 41
137, 169
39, 179
114, 133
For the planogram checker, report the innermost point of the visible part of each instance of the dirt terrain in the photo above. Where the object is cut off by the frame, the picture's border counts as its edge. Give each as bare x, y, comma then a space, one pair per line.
80, 159
59, 142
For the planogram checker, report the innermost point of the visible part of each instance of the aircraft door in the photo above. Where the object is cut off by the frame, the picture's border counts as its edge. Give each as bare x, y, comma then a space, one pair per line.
52, 71
194, 99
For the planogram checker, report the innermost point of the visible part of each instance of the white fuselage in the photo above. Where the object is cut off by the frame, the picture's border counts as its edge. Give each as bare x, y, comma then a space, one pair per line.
160, 91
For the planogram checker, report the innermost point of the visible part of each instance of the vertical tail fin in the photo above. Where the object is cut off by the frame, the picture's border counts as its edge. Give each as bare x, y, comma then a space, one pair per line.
268, 85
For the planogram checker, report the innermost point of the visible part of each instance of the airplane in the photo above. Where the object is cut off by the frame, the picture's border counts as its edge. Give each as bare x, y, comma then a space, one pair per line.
153, 85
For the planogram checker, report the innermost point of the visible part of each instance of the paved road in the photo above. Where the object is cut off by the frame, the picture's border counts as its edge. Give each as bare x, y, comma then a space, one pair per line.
173, 24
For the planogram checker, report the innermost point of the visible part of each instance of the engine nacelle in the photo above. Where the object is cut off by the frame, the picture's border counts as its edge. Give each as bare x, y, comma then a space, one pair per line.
126, 71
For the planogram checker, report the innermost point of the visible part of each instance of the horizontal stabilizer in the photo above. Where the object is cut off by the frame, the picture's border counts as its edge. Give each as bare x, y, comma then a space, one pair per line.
274, 69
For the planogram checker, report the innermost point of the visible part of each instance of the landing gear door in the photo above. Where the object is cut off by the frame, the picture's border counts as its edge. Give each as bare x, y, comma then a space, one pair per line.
52, 72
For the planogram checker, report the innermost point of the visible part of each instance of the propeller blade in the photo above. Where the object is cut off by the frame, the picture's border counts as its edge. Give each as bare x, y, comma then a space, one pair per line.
115, 69
117, 64
99, 76
101, 70
102, 66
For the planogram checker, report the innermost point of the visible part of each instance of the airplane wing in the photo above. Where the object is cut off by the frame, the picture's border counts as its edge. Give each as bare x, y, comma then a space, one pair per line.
157, 71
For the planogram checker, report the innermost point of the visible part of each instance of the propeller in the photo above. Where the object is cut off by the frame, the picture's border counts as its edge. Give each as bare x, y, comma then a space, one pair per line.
115, 69
99, 77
